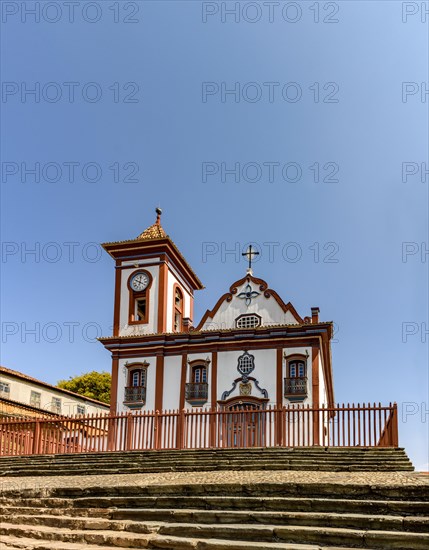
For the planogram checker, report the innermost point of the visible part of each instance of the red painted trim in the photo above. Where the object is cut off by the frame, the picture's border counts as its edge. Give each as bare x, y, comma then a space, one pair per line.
162, 298
114, 386
133, 296
214, 379
279, 377
315, 391
117, 303
183, 382
122, 250
263, 287
159, 382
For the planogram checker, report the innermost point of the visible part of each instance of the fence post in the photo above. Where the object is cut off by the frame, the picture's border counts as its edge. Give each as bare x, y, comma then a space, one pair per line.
157, 430
129, 435
36, 438
316, 425
394, 426
180, 429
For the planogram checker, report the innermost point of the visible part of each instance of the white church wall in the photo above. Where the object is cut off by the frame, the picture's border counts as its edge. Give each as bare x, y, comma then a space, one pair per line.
151, 327
322, 385
172, 381
267, 308
264, 373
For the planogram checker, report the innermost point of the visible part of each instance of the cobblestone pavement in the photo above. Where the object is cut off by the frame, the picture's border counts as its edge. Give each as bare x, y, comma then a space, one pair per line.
219, 477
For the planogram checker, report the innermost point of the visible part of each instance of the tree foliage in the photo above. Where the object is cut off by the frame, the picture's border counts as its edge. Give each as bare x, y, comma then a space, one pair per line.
95, 385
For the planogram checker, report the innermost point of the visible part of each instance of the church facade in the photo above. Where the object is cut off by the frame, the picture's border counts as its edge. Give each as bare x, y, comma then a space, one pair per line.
252, 350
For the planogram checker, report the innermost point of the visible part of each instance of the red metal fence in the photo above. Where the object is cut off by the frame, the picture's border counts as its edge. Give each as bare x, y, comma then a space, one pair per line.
294, 426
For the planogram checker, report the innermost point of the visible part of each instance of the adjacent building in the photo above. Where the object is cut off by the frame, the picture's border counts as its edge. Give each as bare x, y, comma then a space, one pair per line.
22, 396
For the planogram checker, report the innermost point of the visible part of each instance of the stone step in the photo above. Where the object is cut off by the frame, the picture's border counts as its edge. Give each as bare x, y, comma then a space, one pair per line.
131, 520
83, 536
343, 520
309, 489
102, 506
365, 459
232, 532
160, 543
209, 467
298, 534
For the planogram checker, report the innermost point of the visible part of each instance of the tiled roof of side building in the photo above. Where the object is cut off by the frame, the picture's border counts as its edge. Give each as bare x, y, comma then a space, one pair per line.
21, 376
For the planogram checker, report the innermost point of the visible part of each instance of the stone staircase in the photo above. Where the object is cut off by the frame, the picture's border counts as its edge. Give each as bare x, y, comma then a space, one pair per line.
221, 516
299, 458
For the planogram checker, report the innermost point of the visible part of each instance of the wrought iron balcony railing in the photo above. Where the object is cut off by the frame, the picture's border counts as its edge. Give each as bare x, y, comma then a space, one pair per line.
296, 386
197, 392
135, 394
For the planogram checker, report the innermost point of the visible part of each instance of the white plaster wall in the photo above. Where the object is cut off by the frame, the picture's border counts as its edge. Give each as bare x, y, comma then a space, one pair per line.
151, 327
150, 389
172, 379
322, 384
267, 308
20, 390
264, 372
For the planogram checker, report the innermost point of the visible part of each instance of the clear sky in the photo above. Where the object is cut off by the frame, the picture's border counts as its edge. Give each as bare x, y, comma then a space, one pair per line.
321, 108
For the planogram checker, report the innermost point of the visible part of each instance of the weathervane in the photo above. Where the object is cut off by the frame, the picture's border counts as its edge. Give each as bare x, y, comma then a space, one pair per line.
250, 254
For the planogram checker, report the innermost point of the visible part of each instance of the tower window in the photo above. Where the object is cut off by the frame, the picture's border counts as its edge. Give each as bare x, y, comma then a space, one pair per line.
139, 284
140, 312
178, 310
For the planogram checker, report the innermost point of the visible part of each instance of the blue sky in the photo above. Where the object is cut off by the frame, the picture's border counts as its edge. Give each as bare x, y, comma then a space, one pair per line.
131, 111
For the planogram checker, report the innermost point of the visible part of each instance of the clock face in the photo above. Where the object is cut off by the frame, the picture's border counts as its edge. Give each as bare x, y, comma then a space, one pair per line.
139, 281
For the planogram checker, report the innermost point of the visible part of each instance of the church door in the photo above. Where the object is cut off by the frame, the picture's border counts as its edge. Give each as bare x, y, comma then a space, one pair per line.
244, 425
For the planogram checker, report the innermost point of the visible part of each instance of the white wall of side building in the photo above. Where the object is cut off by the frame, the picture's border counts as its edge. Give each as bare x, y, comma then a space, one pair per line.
20, 391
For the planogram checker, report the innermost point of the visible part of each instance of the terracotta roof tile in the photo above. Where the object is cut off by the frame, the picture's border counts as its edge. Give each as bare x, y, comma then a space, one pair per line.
155, 231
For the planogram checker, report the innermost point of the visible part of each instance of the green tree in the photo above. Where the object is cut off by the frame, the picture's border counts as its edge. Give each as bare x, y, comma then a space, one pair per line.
95, 385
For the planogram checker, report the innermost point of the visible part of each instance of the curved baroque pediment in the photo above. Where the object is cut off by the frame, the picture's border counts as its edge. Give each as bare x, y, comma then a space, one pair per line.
249, 295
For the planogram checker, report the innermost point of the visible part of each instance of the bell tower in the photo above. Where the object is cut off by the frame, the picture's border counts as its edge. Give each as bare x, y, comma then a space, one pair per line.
154, 285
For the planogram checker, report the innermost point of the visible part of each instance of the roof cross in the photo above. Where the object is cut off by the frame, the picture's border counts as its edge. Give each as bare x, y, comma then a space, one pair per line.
250, 254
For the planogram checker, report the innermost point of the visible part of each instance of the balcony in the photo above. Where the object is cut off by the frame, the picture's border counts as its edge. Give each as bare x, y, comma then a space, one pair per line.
295, 389
135, 395
197, 394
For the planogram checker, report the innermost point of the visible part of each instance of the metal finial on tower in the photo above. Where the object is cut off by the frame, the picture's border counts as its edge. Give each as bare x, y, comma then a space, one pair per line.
158, 215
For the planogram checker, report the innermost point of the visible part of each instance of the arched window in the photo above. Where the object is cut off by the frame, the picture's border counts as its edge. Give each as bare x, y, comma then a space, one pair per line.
296, 368
296, 378
178, 310
199, 374
139, 283
135, 391
196, 390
